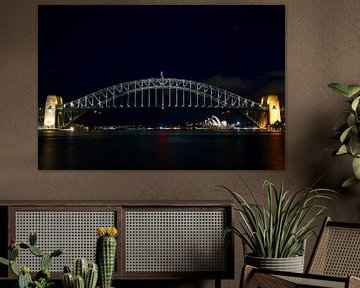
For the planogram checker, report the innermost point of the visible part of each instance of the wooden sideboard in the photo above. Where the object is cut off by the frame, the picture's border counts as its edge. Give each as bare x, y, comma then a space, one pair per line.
164, 240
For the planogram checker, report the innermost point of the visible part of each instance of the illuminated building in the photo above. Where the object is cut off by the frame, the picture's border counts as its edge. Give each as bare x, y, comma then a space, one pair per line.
215, 122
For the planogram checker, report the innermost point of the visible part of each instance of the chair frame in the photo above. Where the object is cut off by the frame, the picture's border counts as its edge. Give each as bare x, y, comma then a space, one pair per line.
256, 277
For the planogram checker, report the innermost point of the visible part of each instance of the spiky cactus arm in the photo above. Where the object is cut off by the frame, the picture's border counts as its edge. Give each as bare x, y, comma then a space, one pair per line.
57, 253
36, 251
91, 276
79, 282
106, 254
24, 280
32, 238
13, 253
80, 268
67, 269
45, 261
68, 280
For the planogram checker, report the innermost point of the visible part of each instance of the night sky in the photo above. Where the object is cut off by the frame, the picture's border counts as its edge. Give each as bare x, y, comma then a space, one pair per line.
86, 48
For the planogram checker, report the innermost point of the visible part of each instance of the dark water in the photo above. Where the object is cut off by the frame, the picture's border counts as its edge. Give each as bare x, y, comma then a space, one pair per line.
158, 150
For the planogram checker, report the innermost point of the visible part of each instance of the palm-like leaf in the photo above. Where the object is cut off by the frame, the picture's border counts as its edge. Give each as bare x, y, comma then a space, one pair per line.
280, 228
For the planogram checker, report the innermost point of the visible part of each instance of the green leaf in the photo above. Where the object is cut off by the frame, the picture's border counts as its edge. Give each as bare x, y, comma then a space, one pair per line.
356, 167
355, 103
14, 268
279, 228
340, 88
345, 134
351, 120
354, 146
4, 261
349, 182
353, 89
342, 150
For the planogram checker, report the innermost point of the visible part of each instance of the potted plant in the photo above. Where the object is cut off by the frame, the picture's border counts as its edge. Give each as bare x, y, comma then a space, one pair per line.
106, 254
42, 278
84, 274
349, 132
275, 233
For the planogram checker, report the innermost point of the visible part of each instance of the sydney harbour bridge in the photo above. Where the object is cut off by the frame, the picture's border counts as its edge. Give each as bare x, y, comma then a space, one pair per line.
153, 93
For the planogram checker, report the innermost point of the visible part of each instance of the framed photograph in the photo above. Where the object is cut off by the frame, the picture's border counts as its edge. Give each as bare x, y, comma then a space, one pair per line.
161, 87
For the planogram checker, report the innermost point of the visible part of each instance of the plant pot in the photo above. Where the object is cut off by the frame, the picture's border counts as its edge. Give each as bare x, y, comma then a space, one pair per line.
291, 264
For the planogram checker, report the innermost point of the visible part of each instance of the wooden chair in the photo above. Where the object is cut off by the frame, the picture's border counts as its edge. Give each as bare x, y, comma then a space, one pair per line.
335, 262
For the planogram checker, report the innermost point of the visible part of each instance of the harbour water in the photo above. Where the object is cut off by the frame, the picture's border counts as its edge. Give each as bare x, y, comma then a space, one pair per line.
161, 150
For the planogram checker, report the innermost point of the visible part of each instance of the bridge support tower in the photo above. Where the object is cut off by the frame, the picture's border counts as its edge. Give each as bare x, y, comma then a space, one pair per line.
272, 115
53, 119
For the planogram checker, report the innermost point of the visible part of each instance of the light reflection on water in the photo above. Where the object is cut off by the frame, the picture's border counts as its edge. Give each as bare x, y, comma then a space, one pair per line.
161, 150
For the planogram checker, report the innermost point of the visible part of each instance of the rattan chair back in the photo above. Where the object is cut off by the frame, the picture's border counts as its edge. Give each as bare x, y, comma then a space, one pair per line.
337, 252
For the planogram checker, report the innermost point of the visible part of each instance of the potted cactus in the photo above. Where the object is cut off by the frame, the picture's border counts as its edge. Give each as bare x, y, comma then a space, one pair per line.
106, 254
42, 278
84, 275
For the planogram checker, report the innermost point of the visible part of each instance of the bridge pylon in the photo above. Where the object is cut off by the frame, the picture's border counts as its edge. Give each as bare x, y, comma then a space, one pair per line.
53, 118
273, 113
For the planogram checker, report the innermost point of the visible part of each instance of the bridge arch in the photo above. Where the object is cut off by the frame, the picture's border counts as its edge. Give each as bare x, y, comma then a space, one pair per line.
173, 93
159, 92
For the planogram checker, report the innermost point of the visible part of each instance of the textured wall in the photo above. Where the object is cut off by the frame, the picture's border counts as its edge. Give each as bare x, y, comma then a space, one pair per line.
322, 46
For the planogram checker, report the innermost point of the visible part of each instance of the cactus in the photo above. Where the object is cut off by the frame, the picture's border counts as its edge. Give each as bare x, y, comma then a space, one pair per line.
79, 282
36, 251
45, 261
24, 279
91, 276
42, 278
13, 253
80, 268
87, 272
106, 254
68, 280
57, 253
32, 238
67, 269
